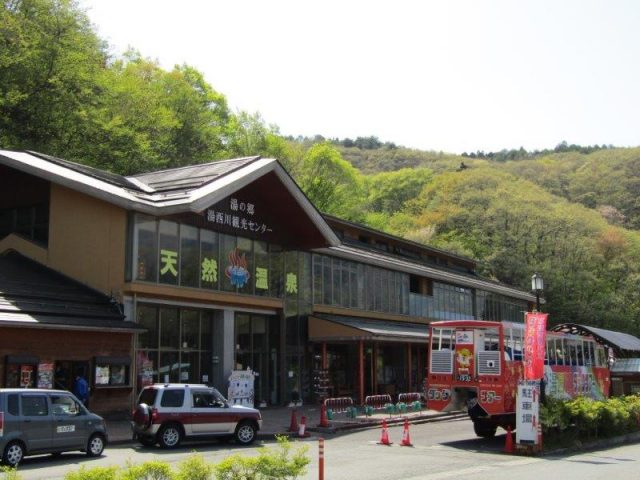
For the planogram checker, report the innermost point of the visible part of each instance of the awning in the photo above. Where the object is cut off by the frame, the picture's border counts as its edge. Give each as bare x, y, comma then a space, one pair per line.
623, 343
334, 328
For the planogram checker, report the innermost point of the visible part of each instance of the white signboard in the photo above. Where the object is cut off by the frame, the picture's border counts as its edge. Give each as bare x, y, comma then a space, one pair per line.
464, 337
528, 412
241, 388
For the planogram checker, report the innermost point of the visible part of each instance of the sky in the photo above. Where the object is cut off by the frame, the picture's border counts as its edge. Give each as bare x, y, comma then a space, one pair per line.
450, 75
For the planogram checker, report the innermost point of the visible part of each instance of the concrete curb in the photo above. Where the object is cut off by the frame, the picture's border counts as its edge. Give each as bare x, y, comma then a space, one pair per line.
595, 444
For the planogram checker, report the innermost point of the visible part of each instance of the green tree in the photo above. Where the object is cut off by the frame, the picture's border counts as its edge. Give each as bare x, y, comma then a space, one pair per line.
331, 183
49, 58
388, 191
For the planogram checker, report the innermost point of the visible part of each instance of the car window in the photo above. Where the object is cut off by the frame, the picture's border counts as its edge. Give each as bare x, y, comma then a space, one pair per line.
64, 405
148, 396
204, 399
12, 404
172, 398
34, 406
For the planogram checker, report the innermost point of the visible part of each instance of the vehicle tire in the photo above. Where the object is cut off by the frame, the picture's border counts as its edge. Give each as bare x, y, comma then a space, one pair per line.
142, 415
13, 454
170, 436
147, 441
95, 445
484, 429
245, 433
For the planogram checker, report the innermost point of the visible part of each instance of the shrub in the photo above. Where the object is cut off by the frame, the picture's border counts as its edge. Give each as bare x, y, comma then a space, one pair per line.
96, 473
584, 419
152, 470
8, 473
270, 464
194, 468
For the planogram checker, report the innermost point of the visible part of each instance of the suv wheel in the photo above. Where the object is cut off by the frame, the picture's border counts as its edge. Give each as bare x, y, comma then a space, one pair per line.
13, 454
95, 445
147, 441
170, 436
245, 433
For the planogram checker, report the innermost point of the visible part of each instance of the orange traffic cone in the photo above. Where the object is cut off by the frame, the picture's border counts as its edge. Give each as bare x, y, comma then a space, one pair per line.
508, 444
293, 427
384, 438
406, 439
302, 431
324, 421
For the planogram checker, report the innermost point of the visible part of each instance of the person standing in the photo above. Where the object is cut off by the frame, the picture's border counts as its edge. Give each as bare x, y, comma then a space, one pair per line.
81, 389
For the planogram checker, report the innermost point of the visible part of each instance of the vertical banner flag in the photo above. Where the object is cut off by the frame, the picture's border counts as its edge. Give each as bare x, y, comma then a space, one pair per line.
535, 337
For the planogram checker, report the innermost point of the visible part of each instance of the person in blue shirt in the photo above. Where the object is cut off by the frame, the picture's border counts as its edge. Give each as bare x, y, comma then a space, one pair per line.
81, 389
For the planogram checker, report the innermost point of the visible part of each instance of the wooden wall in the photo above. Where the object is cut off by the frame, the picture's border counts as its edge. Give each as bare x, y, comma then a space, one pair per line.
64, 345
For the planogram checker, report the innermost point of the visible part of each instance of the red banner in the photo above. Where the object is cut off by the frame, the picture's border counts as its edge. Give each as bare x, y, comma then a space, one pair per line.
535, 338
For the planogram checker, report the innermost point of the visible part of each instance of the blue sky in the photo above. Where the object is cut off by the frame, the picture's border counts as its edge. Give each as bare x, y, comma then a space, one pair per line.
450, 75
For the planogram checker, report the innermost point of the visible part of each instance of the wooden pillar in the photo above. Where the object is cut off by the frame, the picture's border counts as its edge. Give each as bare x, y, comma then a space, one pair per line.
325, 359
374, 369
409, 384
361, 370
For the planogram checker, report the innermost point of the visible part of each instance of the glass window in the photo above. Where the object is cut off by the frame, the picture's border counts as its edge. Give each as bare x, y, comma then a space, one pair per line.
261, 272
190, 329
34, 406
361, 290
327, 280
344, 283
12, 404
276, 259
209, 261
146, 241
189, 256
64, 405
206, 329
148, 318
111, 374
337, 280
227, 260
205, 400
169, 368
172, 398
317, 279
169, 328
245, 268
169, 252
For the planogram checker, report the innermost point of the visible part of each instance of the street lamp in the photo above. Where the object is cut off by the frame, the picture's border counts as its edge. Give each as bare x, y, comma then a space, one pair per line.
537, 285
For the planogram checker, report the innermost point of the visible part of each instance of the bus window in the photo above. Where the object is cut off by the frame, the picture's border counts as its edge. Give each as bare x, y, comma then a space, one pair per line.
601, 356
588, 353
491, 340
551, 352
572, 352
561, 351
579, 355
442, 339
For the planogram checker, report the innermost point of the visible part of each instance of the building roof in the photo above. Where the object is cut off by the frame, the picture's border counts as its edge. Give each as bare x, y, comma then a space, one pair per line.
190, 189
623, 343
376, 329
32, 295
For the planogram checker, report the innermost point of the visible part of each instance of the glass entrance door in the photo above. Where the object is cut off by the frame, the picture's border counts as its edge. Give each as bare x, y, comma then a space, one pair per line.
253, 350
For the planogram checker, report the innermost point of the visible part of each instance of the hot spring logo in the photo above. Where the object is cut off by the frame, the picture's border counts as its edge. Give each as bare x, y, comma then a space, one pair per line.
237, 271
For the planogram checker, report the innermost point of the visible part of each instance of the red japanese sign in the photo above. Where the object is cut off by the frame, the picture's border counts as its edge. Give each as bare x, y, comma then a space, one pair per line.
535, 337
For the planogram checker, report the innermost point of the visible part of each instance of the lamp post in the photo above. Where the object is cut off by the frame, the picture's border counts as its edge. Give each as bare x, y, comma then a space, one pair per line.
537, 285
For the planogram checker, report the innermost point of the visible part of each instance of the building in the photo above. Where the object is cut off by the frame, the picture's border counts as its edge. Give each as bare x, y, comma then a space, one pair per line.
205, 269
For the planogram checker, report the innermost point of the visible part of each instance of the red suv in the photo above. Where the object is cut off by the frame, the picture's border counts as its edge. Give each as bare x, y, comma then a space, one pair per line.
168, 413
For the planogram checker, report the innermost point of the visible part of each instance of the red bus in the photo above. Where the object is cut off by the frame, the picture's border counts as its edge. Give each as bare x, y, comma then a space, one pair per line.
475, 365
